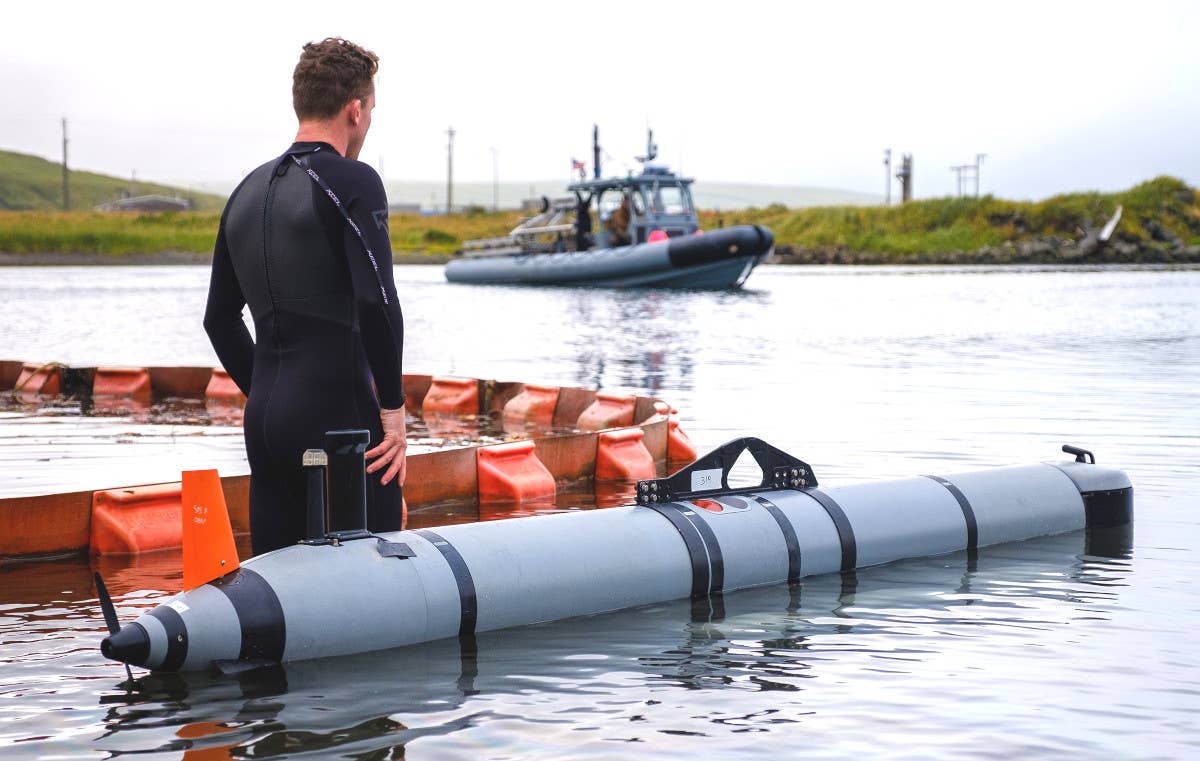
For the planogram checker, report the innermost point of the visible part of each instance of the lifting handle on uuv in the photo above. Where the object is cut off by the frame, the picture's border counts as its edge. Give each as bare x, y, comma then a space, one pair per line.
709, 475
343, 479
337, 488
1081, 455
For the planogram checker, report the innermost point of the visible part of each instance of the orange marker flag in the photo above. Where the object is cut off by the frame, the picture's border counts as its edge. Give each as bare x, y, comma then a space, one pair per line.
209, 551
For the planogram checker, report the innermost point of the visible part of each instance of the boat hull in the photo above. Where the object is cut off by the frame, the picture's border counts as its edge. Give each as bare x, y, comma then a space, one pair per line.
305, 601
714, 260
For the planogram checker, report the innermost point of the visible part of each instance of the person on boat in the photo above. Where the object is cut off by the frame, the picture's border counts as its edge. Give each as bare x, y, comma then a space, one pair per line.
583, 224
304, 242
618, 224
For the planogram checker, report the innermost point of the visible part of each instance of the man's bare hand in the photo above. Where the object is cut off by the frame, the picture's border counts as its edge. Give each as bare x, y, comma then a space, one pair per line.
391, 451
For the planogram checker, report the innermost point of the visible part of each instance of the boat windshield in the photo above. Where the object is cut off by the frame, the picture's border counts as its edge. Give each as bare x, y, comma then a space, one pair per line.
610, 201
669, 199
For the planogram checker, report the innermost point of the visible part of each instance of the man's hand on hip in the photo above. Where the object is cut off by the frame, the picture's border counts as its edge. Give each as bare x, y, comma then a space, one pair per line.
391, 451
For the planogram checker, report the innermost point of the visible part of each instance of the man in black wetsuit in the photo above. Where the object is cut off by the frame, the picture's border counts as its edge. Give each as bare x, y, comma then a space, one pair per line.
304, 242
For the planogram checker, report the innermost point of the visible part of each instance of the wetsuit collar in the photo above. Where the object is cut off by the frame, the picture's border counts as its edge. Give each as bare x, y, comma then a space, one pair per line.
310, 147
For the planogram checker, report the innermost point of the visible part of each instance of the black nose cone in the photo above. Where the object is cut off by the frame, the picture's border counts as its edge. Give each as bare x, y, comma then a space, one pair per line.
766, 239
130, 645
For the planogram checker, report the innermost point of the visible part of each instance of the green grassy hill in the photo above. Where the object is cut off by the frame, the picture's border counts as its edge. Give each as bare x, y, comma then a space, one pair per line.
29, 183
1159, 215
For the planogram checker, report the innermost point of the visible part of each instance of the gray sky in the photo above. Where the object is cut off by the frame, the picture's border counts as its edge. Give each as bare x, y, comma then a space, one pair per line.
1060, 95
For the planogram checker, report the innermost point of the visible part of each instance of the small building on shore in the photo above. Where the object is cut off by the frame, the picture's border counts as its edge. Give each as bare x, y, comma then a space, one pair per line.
147, 203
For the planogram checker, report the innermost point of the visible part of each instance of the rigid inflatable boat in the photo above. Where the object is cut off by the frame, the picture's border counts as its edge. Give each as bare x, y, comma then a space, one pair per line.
649, 236
711, 261
689, 536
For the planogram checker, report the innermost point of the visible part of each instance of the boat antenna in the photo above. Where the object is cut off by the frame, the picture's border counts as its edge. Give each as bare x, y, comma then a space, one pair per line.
596, 151
651, 148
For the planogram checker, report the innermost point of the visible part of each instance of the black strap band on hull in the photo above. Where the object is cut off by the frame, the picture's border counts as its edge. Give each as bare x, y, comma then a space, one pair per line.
842, 524
789, 537
716, 562
264, 631
177, 639
468, 604
695, 547
965, 506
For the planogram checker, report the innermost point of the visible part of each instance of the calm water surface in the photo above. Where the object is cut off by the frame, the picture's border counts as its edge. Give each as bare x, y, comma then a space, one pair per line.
1064, 647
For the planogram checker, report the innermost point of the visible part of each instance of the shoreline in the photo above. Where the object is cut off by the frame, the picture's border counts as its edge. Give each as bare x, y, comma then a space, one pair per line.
1031, 252
1038, 251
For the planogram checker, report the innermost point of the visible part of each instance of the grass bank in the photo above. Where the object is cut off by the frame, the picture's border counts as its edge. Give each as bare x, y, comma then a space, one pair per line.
1160, 222
1159, 216
104, 237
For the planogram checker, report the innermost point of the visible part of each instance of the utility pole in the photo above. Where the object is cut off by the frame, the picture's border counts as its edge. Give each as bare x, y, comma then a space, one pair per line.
450, 170
495, 179
905, 175
66, 193
887, 176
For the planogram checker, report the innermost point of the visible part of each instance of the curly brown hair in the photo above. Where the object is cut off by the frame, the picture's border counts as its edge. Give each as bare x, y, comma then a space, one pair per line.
330, 74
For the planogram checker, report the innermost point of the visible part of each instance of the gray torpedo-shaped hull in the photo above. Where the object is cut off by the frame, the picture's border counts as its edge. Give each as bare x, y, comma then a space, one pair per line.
689, 536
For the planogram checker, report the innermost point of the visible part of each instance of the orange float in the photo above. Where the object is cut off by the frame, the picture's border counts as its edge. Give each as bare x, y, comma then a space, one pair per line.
137, 519
122, 383
38, 381
221, 388
121, 389
451, 396
512, 473
532, 407
607, 411
223, 400
621, 456
680, 449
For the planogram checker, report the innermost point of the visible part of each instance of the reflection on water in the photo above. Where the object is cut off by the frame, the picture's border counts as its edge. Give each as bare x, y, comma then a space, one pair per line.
1074, 647
653, 356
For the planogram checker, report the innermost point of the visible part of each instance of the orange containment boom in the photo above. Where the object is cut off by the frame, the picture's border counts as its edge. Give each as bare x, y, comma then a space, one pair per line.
621, 456
209, 551
607, 411
136, 519
513, 473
